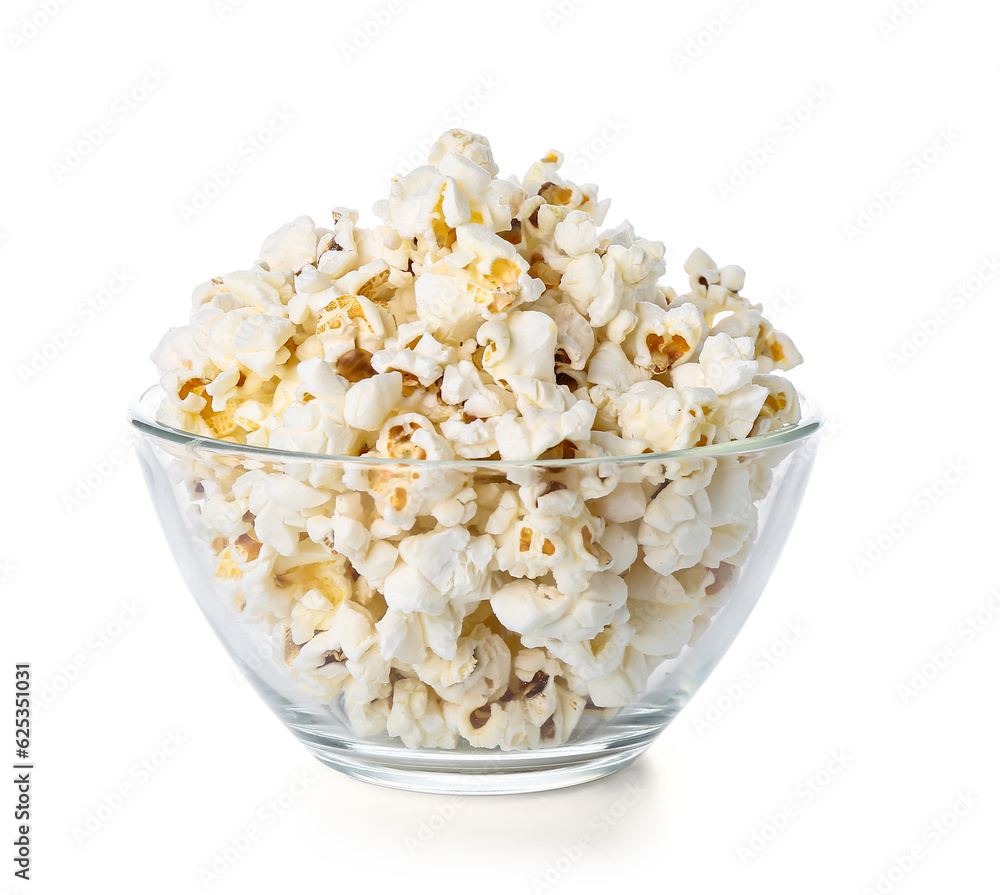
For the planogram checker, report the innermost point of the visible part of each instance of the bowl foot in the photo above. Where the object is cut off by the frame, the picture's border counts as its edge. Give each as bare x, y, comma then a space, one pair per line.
467, 773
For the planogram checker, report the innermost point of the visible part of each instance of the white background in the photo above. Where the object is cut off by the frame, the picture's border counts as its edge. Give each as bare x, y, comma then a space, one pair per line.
665, 110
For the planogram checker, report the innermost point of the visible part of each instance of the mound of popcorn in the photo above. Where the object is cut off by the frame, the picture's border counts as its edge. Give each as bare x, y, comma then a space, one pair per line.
447, 603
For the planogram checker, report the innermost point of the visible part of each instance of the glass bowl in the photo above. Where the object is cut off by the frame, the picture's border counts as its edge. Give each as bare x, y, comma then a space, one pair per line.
475, 626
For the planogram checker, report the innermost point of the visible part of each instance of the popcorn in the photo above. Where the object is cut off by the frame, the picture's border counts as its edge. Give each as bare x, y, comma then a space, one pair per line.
624, 683
259, 344
433, 601
278, 504
446, 566
542, 612
426, 361
369, 402
480, 671
598, 656
575, 338
488, 725
291, 247
661, 610
664, 338
412, 636
471, 146
529, 435
520, 350
577, 234
416, 718
675, 529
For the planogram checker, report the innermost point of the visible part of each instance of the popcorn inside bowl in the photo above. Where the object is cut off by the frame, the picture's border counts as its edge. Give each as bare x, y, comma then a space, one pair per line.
446, 603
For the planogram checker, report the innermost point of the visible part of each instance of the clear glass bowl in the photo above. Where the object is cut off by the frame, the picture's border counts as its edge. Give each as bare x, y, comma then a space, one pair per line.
527, 697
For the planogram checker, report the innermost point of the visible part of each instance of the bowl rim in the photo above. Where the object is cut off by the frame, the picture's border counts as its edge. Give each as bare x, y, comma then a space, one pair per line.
141, 417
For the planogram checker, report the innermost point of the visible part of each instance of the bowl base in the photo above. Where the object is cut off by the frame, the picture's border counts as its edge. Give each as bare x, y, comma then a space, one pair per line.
486, 774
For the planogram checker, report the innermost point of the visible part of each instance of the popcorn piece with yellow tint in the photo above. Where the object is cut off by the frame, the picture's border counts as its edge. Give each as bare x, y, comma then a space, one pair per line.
781, 406
350, 321
447, 677
342, 237
475, 183
663, 338
417, 202
402, 493
483, 278
321, 572
773, 350
430, 202
370, 281
543, 173
727, 367
543, 180
224, 387
569, 549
